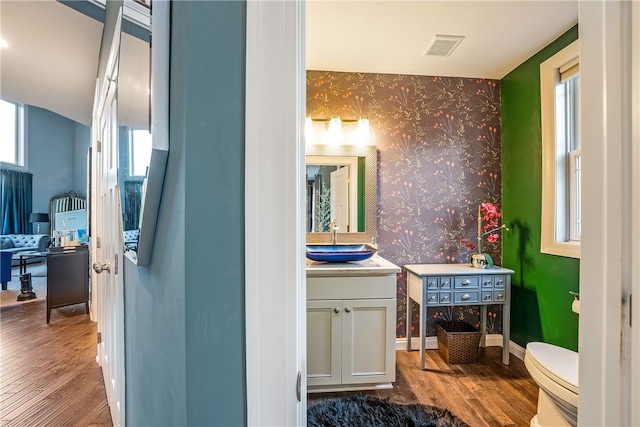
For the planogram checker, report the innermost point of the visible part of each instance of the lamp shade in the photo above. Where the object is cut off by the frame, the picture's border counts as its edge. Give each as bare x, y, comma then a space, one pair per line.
38, 217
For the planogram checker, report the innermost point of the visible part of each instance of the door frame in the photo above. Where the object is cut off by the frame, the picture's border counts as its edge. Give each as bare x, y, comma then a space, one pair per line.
275, 291
608, 371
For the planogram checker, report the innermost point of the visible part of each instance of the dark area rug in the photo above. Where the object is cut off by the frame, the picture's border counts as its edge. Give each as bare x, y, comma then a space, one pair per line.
362, 410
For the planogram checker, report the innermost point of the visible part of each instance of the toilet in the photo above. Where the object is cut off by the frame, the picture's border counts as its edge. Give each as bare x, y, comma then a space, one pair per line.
555, 370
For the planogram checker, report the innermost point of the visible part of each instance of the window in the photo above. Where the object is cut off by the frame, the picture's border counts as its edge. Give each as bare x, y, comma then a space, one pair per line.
561, 158
139, 152
11, 133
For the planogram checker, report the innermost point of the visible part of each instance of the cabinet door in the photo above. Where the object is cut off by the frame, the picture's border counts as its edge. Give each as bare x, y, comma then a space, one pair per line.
368, 341
324, 331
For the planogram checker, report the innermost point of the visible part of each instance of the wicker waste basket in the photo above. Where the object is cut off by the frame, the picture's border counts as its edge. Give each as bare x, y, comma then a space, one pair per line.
458, 342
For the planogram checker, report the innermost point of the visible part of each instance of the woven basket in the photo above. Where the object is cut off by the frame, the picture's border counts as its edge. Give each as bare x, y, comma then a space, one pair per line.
458, 342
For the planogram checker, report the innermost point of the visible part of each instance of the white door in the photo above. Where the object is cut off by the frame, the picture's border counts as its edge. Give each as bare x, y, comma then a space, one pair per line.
107, 241
340, 198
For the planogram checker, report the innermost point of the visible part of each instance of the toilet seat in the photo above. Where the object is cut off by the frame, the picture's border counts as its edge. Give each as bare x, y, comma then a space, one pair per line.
559, 364
554, 369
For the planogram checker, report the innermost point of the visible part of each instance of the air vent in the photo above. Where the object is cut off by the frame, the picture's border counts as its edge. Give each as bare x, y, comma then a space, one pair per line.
443, 45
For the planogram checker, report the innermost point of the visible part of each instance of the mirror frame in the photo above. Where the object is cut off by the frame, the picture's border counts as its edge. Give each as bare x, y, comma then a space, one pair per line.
370, 153
160, 21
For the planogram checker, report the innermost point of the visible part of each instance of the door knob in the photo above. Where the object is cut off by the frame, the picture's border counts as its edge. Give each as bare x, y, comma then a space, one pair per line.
99, 267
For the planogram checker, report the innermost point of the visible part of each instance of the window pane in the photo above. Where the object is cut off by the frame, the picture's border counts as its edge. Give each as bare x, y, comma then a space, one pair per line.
8, 132
141, 152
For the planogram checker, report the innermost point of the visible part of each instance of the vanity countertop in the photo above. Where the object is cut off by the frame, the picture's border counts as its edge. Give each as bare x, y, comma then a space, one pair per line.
374, 266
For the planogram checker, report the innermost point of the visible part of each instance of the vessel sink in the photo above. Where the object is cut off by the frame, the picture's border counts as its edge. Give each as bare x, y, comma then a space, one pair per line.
340, 253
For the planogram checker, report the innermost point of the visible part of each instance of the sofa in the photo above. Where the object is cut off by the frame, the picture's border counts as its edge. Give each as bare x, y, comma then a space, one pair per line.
15, 243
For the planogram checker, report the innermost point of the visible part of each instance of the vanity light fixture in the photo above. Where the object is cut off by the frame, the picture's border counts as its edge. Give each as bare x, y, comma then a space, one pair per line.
337, 131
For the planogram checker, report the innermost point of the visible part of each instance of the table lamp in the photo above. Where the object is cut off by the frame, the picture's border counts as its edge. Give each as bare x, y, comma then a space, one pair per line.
38, 218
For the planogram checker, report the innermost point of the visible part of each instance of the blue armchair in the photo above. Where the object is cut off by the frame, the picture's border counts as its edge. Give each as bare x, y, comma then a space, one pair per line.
5, 268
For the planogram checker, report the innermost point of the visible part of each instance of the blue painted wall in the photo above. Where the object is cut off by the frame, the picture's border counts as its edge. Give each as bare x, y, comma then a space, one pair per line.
56, 148
184, 313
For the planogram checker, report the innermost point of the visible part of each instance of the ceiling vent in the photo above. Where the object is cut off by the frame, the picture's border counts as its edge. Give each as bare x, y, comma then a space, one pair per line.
443, 45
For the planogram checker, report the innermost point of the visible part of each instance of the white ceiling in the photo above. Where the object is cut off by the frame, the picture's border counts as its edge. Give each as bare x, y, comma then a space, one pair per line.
391, 36
52, 58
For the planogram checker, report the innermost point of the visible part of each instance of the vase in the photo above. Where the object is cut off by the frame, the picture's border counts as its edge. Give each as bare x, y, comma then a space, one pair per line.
479, 261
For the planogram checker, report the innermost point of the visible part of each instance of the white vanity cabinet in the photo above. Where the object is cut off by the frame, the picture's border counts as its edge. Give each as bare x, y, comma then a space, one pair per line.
351, 320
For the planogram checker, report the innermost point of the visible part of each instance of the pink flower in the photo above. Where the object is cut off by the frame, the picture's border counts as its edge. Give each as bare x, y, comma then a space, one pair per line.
491, 238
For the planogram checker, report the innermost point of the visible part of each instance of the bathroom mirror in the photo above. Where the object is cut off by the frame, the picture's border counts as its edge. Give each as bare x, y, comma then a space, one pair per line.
142, 123
341, 185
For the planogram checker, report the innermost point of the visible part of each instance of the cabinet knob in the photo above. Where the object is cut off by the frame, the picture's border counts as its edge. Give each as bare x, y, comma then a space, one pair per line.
348, 309
336, 310
99, 267
500, 295
445, 284
465, 297
465, 282
433, 297
499, 282
487, 283
487, 297
445, 297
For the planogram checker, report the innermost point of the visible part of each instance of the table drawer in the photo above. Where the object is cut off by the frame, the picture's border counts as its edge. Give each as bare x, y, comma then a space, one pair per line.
487, 281
433, 283
432, 298
498, 281
466, 296
487, 296
466, 282
445, 298
446, 283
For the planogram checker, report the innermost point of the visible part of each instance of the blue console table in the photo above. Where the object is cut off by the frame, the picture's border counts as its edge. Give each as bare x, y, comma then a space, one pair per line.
459, 284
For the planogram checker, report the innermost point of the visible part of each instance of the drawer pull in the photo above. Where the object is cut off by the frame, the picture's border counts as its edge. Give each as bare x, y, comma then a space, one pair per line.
336, 310
500, 295
488, 283
487, 297
348, 309
445, 297
433, 297
465, 297
433, 284
499, 282
465, 282
445, 284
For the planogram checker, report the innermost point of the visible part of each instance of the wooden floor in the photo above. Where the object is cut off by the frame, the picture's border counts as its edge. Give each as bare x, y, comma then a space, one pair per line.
49, 376
48, 372
486, 393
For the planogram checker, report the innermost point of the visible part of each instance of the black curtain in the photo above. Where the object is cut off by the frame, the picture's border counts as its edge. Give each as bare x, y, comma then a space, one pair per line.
16, 201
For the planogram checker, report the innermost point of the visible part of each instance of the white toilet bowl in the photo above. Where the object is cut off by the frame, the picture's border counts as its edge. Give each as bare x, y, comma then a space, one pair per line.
555, 370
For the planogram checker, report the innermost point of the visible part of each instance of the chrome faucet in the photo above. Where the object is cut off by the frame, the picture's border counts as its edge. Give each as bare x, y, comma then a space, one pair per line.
334, 232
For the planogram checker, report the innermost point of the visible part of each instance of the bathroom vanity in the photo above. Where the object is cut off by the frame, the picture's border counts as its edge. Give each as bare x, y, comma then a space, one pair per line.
351, 321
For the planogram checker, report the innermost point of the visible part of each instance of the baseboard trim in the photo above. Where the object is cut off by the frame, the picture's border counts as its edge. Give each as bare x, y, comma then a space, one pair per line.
493, 340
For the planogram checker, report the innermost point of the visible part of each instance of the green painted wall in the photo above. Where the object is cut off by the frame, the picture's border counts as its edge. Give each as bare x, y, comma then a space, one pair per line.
541, 303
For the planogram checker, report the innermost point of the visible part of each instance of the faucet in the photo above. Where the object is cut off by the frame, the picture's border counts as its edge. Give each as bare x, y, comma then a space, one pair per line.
334, 232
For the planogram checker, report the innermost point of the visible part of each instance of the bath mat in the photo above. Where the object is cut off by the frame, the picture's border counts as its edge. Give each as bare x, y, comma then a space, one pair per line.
362, 410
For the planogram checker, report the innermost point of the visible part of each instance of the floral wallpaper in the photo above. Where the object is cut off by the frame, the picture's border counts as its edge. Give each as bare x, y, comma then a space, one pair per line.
438, 141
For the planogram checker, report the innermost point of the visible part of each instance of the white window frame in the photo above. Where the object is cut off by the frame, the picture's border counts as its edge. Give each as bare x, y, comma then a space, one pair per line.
21, 140
555, 200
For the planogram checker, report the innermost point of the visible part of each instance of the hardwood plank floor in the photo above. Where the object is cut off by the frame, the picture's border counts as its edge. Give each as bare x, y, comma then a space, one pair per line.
485, 393
48, 372
49, 376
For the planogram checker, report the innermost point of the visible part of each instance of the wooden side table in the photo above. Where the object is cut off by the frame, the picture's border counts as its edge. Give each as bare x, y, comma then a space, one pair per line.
455, 285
